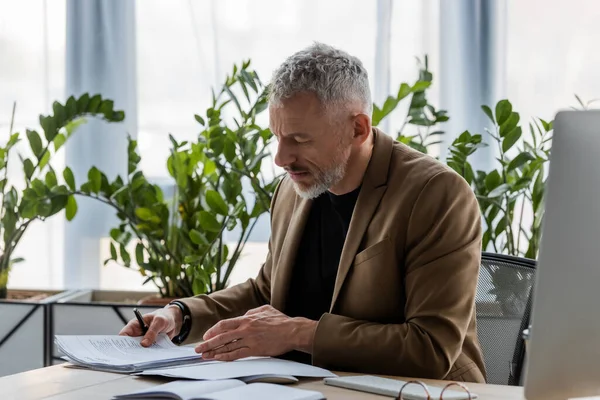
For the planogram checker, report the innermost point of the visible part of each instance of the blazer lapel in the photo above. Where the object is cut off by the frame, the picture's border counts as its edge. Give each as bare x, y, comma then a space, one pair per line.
289, 250
372, 190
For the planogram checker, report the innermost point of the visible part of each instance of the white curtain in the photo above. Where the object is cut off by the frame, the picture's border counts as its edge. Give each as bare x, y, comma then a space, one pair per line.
472, 67
32, 65
101, 58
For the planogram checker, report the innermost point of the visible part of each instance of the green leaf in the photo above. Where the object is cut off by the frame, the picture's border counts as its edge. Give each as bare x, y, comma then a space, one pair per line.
59, 114
94, 104
500, 227
70, 108
229, 150
404, 91
388, 106
106, 108
420, 86
49, 126
198, 286
35, 142
519, 161
113, 252
69, 178
194, 259
199, 119
493, 180
82, 103
39, 187
117, 116
125, 256
51, 179
468, 173
139, 254
45, 159
511, 138
71, 208
144, 214
216, 202
59, 140
488, 112
503, 111
28, 168
209, 222
95, 179
499, 191
198, 238
510, 124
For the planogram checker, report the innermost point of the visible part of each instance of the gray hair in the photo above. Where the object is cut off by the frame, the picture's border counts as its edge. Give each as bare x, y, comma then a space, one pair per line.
336, 77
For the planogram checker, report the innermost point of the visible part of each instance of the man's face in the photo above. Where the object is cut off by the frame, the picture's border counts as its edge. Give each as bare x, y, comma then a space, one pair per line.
313, 148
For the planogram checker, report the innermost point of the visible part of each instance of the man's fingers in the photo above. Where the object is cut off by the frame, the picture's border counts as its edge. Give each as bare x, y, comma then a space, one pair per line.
226, 348
131, 329
242, 352
223, 326
157, 325
258, 309
218, 341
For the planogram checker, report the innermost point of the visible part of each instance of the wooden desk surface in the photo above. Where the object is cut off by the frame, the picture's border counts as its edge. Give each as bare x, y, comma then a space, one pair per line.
63, 383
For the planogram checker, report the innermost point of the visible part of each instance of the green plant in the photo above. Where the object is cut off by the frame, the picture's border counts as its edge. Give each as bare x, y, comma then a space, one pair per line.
180, 242
516, 187
421, 116
506, 194
41, 196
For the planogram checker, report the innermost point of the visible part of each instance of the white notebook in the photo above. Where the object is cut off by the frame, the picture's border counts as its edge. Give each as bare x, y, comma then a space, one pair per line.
229, 389
391, 388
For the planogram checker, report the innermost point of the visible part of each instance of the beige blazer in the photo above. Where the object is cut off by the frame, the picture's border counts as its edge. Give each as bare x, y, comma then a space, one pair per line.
404, 297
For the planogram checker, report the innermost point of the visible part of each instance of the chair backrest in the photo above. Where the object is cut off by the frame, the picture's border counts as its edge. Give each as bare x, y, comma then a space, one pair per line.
503, 307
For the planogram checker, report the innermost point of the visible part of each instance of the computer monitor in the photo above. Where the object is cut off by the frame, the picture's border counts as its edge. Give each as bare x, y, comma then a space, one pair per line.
563, 354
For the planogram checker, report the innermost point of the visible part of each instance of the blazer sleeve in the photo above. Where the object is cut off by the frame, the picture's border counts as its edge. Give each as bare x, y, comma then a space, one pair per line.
207, 310
442, 258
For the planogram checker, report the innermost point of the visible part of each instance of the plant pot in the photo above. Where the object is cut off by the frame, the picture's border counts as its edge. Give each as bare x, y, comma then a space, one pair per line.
24, 335
156, 300
94, 312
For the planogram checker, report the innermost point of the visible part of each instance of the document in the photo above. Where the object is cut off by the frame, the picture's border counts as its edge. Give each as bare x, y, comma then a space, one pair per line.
123, 353
240, 369
230, 389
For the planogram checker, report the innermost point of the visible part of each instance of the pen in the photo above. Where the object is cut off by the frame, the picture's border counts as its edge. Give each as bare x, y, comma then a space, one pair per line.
143, 325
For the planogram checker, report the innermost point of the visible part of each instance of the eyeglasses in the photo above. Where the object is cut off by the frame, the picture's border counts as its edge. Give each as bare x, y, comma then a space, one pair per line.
428, 393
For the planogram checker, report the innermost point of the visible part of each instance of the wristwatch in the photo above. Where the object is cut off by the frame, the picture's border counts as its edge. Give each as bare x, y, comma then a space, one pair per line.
186, 324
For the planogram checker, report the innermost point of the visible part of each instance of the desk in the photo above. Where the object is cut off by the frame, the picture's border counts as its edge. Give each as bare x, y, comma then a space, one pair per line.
62, 383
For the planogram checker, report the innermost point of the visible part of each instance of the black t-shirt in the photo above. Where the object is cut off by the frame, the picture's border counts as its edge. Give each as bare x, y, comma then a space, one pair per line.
318, 257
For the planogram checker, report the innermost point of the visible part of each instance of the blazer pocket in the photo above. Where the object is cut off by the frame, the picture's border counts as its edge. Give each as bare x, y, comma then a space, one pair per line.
372, 251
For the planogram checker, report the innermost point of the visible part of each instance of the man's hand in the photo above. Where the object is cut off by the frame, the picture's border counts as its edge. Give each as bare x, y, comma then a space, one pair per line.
263, 331
167, 320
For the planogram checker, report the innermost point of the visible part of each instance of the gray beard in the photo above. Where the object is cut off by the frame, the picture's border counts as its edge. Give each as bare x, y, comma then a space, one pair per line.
324, 182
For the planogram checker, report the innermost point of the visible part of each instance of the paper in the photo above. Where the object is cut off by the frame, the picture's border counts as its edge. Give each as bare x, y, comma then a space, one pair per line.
264, 391
123, 353
222, 390
241, 368
183, 390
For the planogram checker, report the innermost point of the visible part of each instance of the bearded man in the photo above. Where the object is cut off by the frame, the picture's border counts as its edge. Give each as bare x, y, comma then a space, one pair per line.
374, 251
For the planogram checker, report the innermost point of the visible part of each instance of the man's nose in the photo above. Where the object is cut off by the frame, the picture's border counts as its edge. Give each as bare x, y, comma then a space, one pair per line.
284, 155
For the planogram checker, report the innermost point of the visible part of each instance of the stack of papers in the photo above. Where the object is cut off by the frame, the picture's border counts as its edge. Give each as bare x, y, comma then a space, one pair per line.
123, 353
240, 369
222, 390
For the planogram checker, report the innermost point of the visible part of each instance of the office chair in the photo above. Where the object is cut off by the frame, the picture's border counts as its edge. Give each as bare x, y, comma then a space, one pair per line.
503, 305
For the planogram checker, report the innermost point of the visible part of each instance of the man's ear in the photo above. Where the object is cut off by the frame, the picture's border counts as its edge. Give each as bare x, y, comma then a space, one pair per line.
362, 128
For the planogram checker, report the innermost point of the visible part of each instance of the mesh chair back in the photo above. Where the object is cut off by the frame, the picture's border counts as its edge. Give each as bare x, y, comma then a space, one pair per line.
503, 306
